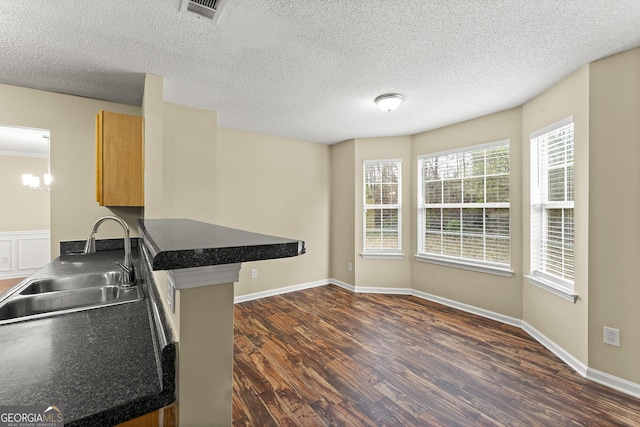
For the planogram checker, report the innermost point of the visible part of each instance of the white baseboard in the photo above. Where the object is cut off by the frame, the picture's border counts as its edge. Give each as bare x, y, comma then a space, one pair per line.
388, 291
279, 291
468, 308
616, 383
554, 348
370, 289
611, 381
343, 285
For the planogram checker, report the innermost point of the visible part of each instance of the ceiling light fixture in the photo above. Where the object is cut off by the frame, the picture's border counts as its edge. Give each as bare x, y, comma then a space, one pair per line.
33, 182
389, 101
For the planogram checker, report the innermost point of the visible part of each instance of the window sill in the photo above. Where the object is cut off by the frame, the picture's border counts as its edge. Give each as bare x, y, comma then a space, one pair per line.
555, 289
466, 265
381, 255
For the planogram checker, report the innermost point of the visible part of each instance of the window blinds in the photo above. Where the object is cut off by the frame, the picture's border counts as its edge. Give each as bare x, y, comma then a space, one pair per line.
382, 206
464, 204
552, 203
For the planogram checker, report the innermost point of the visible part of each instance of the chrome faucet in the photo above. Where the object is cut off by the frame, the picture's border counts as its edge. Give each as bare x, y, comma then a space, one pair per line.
90, 247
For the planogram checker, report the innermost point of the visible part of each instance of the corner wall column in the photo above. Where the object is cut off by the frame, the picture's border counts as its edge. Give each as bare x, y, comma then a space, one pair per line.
205, 349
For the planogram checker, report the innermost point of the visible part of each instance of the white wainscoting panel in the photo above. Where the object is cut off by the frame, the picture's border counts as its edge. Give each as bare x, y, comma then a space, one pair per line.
23, 252
6, 253
33, 253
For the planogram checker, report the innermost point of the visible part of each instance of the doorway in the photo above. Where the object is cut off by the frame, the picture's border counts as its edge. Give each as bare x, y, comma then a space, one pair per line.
25, 179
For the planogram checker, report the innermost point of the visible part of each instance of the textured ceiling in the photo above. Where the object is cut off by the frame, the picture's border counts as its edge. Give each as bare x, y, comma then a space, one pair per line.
310, 69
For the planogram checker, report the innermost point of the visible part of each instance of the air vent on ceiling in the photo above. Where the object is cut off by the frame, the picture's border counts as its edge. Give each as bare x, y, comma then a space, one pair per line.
209, 9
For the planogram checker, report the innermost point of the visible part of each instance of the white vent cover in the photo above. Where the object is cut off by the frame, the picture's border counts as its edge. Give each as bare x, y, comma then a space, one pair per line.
209, 9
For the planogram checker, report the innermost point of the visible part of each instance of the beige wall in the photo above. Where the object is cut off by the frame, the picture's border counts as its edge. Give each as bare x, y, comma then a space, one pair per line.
487, 291
180, 177
614, 205
187, 184
205, 373
23, 209
71, 120
276, 186
153, 112
154, 179
180, 182
383, 273
343, 212
189, 172
564, 322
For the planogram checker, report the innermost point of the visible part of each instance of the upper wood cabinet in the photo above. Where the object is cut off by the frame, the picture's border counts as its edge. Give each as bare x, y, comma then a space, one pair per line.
119, 159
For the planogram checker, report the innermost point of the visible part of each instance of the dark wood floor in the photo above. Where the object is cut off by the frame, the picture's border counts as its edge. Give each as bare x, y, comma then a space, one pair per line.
329, 357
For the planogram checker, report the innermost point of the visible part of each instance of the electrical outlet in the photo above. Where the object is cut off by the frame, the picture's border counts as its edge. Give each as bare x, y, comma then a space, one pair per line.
350, 267
611, 336
254, 273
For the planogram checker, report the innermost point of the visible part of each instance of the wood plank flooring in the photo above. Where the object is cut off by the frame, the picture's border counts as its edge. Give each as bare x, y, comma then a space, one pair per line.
329, 357
6, 284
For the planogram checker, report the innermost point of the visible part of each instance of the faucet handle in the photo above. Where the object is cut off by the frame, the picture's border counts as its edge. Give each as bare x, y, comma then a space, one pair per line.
129, 274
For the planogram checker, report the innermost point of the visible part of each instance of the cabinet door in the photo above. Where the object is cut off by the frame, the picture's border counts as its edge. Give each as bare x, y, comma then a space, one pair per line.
163, 417
119, 160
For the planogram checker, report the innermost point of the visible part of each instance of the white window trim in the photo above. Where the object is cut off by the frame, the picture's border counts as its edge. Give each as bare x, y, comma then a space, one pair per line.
386, 253
554, 126
536, 279
467, 148
382, 255
465, 263
555, 285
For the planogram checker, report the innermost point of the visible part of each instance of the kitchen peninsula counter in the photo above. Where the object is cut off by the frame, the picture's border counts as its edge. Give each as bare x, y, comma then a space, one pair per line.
203, 262
185, 243
107, 365
100, 366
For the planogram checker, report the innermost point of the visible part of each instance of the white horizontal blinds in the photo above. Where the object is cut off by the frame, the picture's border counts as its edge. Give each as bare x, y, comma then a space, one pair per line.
552, 203
382, 206
464, 204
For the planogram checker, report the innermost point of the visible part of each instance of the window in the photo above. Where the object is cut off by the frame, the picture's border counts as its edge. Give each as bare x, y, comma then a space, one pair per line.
552, 195
463, 208
382, 189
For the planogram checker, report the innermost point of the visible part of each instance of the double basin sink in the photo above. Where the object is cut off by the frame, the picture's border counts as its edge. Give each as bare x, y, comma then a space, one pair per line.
41, 297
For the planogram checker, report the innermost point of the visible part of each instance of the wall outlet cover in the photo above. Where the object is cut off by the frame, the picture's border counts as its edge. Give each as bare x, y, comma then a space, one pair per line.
611, 336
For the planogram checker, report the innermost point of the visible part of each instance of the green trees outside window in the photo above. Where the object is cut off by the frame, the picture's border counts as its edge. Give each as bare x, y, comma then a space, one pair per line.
464, 204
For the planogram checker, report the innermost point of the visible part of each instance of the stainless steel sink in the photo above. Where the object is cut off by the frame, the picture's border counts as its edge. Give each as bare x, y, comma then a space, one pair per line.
48, 296
66, 283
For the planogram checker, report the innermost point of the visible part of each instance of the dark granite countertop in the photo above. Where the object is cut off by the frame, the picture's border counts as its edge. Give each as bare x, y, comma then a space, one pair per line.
100, 366
185, 243
107, 365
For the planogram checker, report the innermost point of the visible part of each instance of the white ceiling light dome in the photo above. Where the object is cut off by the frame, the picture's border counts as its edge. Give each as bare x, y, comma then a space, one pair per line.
389, 101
